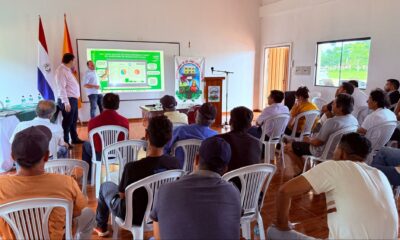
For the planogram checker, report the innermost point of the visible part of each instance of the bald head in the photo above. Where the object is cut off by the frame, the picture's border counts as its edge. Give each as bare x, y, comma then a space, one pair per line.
45, 109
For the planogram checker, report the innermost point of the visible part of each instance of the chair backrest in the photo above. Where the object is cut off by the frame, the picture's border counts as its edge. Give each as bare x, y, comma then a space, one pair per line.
121, 152
190, 148
379, 135
175, 125
29, 218
70, 167
333, 141
252, 179
310, 117
319, 102
361, 114
278, 123
151, 184
108, 135
53, 147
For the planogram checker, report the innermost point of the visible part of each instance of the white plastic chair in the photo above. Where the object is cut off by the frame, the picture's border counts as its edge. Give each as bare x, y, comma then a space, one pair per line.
151, 184
122, 153
108, 135
175, 125
329, 148
190, 148
278, 123
361, 114
319, 102
252, 179
53, 147
68, 167
379, 135
310, 117
29, 218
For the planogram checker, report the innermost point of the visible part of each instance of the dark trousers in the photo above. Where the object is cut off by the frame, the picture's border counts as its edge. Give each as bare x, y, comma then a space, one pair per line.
109, 200
95, 100
386, 159
69, 119
87, 156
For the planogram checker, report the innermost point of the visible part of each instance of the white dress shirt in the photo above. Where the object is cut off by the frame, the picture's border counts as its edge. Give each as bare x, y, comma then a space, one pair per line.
272, 110
56, 130
91, 78
377, 117
67, 85
360, 100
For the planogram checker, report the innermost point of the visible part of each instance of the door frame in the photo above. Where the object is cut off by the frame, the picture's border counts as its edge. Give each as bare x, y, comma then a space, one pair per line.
263, 98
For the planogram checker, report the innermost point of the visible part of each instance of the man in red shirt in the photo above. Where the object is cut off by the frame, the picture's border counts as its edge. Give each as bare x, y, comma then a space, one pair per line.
109, 116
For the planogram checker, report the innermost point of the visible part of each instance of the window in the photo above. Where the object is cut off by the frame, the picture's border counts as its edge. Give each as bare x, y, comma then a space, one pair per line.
342, 60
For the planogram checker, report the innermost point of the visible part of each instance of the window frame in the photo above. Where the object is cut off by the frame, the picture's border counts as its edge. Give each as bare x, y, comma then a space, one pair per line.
341, 54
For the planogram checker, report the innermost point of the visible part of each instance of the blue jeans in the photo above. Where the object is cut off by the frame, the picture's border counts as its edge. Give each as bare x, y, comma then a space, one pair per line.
109, 201
95, 99
386, 160
87, 156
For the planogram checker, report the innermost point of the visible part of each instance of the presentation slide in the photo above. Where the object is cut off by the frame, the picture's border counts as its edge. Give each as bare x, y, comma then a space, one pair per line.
123, 70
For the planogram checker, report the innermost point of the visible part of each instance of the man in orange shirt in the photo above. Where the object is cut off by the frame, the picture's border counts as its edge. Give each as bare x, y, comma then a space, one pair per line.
30, 151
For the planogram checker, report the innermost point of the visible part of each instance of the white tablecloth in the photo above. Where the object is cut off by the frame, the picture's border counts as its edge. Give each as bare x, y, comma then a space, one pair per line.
7, 126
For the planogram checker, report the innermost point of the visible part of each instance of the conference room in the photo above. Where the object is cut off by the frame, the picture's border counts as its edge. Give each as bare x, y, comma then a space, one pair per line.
214, 119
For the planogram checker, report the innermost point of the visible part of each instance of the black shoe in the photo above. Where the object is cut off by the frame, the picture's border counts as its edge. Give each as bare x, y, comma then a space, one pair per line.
78, 141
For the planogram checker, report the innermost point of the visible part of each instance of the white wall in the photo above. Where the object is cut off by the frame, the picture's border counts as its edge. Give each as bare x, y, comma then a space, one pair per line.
306, 22
225, 32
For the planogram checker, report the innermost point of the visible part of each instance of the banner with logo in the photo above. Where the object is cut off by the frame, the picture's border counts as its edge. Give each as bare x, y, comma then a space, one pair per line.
189, 73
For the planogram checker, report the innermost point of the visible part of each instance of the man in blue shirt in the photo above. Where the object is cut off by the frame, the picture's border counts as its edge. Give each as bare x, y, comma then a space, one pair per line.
200, 130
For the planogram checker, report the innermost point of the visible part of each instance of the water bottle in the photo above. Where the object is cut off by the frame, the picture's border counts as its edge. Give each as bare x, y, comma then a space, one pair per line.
256, 232
23, 101
30, 99
39, 97
7, 102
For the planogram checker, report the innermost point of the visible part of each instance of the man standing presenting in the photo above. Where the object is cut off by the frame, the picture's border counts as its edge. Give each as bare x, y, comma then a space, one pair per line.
92, 89
68, 94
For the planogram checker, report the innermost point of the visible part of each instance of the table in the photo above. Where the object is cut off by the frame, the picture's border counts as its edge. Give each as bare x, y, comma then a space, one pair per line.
149, 111
9, 119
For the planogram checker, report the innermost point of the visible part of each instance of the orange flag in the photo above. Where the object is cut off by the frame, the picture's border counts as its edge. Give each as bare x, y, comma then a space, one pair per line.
67, 48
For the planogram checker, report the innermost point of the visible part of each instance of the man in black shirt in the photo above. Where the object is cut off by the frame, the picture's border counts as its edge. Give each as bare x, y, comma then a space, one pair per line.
392, 90
246, 149
112, 197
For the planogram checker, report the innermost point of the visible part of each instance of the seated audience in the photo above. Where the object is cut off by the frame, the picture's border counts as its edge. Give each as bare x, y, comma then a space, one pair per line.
275, 107
200, 205
345, 87
360, 98
396, 133
392, 90
205, 117
302, 105
112, 197
342, 107
388, 161
360, 202
238, 137
168, 104
109, 116
377, 103
30, 150
45, 110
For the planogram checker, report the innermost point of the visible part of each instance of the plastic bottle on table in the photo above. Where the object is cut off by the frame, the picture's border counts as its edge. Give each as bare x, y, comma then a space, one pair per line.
23, 101
7, 102
30, 99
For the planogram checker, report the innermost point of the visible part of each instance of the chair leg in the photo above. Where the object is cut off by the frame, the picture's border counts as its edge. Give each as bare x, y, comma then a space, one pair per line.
93, 173
115, 227
260, 226
138, 232
308, 160
98, 179
283, 155
246, 230
267, 153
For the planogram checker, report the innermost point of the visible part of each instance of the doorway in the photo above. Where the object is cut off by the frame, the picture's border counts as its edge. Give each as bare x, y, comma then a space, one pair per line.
276, 70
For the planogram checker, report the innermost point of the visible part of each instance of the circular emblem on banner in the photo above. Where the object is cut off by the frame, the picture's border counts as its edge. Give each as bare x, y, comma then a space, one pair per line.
47, 67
